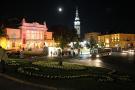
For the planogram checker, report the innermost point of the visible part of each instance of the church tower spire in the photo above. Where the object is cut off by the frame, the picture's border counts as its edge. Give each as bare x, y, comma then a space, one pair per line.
77, 22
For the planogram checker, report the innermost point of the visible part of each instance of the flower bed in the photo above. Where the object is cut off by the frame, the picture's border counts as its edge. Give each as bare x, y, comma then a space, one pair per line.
51, 70
18, 62
67, 71
66, 66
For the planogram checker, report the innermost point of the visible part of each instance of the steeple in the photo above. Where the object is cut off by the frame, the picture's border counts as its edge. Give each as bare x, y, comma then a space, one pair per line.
23, 20
77, 22
77, 16
45, 25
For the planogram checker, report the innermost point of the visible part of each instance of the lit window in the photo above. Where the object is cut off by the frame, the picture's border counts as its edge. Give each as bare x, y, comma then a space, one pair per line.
107, 40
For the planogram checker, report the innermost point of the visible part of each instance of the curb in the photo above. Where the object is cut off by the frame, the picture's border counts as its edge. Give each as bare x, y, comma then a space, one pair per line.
27, 83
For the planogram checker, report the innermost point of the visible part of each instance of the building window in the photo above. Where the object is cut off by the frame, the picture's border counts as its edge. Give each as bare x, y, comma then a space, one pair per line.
34, 35
13, 44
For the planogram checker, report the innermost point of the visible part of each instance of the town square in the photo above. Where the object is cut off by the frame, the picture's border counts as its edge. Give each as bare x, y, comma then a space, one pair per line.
67, 45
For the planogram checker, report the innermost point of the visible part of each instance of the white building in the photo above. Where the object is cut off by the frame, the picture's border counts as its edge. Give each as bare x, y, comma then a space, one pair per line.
77, 23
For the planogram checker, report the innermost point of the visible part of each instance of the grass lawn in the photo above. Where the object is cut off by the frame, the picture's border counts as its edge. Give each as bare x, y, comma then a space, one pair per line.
70, 76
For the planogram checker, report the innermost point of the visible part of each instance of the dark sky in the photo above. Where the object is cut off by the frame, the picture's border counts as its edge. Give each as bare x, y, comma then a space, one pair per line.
96, 15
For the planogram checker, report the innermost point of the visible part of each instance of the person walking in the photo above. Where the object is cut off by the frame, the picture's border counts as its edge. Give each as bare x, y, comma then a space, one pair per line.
51, 53
3, 58
21, 54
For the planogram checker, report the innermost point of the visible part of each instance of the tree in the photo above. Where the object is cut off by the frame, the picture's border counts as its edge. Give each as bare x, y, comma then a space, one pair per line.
63, 36
92, 43
62, 45
45, 51
77, 45
2, 33
88, 45
101, 44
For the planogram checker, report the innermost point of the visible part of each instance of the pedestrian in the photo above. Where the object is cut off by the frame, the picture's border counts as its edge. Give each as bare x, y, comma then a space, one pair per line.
3, 58
78, 51
51, 53
59, 53
18, 54
21, 54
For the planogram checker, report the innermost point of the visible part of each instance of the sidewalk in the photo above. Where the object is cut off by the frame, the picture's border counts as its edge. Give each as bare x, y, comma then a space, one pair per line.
11, 83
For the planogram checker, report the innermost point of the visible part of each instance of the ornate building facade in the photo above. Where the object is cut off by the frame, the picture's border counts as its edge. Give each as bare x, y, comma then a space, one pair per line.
91, 35
28, 35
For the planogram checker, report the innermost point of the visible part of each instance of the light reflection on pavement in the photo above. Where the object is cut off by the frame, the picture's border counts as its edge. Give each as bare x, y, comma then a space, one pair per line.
86, 60
118, 61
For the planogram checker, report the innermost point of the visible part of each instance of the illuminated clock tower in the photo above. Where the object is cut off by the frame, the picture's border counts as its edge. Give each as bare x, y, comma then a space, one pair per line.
77, 23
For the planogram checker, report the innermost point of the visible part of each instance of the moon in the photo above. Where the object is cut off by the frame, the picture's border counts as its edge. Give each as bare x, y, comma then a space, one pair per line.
60, 9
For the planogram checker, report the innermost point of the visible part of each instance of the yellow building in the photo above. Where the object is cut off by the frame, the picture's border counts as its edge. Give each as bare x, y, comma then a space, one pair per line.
27, 36
92, 35
104, 40
117, 40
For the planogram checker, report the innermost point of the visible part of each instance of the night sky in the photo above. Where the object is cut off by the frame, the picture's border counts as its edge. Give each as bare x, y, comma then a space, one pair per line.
103, 16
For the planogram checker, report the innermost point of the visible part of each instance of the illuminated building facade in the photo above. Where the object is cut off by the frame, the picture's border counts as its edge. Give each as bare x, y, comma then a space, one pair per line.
77, 23
28, 35
92, 35
117, 40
